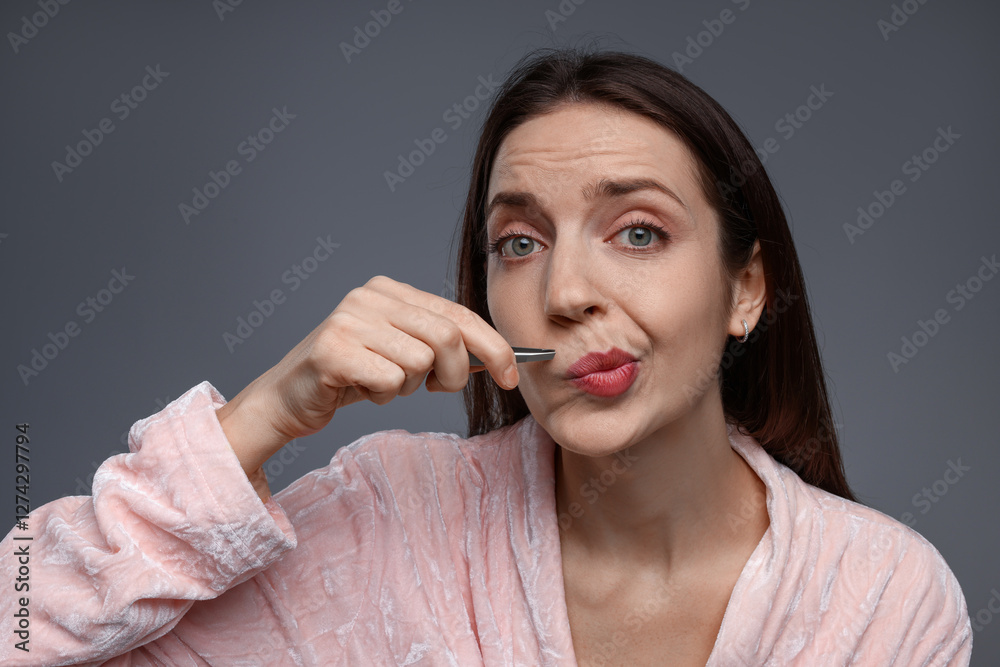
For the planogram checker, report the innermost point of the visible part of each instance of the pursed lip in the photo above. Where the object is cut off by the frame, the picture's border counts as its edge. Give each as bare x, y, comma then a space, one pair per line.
594, 362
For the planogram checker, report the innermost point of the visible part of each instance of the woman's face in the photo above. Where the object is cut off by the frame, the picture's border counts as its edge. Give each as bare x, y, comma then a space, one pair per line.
597, 256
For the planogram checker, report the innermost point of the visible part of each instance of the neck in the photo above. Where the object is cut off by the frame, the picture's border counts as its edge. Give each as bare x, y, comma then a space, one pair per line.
670, 498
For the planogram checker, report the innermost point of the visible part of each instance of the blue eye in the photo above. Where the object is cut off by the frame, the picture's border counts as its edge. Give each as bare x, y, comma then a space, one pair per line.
513, 243
520, 245
641, 234
638, 236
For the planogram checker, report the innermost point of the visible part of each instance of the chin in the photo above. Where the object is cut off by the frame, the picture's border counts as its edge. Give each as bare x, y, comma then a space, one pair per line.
592, 433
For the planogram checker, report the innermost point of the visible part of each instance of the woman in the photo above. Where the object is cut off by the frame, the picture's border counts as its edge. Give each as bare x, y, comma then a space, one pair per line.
667, 489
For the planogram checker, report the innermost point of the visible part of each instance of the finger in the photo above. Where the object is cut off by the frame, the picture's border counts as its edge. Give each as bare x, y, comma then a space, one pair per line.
373, 376
444, 339
412, 382
384, 325
433, 384
477, 336
413, 356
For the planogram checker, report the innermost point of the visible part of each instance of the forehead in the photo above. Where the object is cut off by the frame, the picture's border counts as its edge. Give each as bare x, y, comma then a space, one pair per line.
583, 142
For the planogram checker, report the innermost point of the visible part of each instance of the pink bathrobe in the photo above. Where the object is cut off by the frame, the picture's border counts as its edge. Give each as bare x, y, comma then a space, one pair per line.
426, 549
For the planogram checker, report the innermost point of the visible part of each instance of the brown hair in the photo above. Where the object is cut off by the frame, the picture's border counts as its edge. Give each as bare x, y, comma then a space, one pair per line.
773, 386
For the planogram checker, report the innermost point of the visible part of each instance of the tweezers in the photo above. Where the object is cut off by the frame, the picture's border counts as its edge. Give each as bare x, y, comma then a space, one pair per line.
521, 354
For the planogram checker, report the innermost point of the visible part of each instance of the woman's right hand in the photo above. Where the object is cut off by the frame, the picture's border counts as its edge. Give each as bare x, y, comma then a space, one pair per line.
380, 342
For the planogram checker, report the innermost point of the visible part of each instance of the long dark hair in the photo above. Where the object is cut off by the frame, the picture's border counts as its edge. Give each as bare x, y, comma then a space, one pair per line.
773, 386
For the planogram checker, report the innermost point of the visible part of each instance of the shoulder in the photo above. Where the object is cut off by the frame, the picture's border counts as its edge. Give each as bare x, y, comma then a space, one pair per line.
401, 471
869, 539
401, 454
887, 582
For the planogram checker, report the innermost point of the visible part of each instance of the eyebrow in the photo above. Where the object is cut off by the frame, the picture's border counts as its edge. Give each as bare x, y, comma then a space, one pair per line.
604, 188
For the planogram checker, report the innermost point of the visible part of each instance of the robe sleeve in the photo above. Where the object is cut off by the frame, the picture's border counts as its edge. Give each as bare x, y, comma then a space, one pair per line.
174, 521
921, 618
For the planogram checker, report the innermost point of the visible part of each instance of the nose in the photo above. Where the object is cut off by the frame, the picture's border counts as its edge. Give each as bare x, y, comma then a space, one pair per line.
571, 292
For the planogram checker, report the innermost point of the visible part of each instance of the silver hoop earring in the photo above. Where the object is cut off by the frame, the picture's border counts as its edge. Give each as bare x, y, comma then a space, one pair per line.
746, 332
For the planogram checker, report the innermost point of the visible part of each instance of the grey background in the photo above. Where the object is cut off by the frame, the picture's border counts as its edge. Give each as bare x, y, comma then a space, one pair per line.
324, 176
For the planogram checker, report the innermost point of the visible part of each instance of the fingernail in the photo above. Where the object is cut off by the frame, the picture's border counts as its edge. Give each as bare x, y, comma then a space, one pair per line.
510, 376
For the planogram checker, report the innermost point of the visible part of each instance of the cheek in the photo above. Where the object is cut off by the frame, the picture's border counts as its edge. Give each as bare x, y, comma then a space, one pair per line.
682, 314
510, 305
675, 300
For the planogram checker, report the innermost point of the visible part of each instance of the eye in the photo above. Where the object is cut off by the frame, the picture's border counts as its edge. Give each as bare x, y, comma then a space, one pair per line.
641, 234
513, 244
520, 245
638, 236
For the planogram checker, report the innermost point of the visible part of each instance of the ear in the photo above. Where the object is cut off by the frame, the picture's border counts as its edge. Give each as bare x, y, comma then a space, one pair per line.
749, 294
